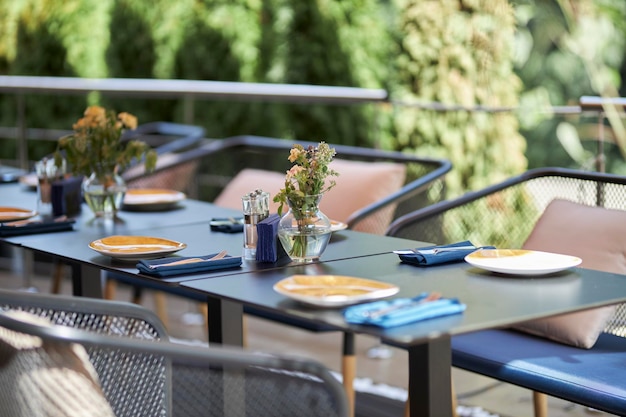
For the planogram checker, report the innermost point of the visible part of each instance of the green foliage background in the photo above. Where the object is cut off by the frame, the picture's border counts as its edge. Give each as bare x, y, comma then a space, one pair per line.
458, 52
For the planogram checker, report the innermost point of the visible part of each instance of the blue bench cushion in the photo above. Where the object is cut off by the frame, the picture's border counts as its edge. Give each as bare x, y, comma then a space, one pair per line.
593, 377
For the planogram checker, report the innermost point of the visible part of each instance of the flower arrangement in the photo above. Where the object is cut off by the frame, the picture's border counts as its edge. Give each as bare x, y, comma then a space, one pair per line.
96, 145
304, 231
307, 177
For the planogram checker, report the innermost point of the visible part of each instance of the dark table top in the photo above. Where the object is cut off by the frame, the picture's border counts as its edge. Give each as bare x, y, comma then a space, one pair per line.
492, 300
188, 224
186, 212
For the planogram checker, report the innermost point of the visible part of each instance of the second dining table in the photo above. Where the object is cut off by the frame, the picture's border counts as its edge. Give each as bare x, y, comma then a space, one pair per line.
492, 300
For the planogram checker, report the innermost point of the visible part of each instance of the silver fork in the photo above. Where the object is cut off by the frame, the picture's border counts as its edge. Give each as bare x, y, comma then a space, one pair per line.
191, 260
433, 250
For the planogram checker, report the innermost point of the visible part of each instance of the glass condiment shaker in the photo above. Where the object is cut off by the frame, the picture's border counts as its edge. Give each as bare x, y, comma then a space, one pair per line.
256, 207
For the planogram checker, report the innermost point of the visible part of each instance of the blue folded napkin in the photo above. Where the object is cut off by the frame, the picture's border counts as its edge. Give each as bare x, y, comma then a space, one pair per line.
435, 255
268, 248
189, 268
35, 226
402, 311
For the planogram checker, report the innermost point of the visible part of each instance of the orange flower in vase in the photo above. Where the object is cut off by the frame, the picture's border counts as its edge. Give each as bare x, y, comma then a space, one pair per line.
96, 151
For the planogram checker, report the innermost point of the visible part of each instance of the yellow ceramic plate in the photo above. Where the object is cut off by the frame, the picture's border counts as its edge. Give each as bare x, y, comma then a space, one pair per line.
133, 248
521, 262
333, 290
9, 214
335, 225
152, 199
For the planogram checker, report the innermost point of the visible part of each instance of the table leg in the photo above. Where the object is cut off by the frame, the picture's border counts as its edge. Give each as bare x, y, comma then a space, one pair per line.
429, 379
225, 322
87, 281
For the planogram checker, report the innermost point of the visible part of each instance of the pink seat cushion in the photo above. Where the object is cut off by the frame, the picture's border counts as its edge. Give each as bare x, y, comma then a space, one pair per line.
358, 185
596, 235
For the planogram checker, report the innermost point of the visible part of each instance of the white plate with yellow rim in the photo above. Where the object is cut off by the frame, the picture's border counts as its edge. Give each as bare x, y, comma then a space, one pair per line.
148, 199
134, 248
10, 214
521, 261
333, 290
336, 226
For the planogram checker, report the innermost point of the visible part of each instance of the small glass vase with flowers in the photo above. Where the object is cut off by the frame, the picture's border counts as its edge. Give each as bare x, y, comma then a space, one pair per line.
304, 231
97, 151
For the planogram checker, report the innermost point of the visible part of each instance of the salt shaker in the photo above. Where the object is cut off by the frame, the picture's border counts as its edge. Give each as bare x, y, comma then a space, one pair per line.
256, 207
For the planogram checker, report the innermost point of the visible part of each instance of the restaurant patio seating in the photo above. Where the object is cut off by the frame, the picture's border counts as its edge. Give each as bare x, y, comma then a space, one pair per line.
378, 187
98, 352
555, 210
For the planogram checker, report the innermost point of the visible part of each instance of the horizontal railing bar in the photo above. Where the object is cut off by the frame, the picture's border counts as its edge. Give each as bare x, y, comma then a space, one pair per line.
196, 88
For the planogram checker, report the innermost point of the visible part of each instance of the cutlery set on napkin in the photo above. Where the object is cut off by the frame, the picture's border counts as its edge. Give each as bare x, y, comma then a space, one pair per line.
400, 311
166, 267
32, 226
435, 255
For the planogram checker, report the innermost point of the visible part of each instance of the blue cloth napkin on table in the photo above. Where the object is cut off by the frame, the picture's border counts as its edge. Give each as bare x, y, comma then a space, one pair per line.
424, 256
402, 311
35, 226
190, 268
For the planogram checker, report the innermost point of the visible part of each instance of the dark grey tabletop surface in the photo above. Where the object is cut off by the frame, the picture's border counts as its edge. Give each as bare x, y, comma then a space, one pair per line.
493, 300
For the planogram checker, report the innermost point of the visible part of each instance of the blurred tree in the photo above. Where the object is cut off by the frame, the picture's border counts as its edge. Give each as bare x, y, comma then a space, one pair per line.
338, 43
567, 49
459, 52
132, 53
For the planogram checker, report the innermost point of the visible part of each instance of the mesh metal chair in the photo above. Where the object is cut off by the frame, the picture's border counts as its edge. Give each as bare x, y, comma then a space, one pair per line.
504, 215
141, 375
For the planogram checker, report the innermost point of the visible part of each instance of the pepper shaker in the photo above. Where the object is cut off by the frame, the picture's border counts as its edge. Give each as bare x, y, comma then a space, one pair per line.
255, 209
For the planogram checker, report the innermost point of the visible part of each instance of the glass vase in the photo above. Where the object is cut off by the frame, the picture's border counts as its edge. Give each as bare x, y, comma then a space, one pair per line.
104, 193
304, 231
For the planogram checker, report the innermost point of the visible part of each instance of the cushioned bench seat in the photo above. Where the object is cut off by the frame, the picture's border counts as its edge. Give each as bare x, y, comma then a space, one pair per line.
593, 377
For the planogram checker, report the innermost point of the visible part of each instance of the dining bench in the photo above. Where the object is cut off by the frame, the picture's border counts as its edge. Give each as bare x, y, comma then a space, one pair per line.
579, 357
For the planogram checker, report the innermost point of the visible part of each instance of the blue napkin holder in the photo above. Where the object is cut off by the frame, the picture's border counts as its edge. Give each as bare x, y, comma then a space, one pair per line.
402, 311
66, 196
268, 247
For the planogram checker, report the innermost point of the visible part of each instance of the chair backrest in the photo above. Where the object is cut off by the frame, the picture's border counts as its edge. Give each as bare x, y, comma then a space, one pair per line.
168, 140
202, 381
377, 186
504, 214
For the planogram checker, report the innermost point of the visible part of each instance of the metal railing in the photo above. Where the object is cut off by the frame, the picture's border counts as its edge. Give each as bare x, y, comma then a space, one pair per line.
187, 90
191, 90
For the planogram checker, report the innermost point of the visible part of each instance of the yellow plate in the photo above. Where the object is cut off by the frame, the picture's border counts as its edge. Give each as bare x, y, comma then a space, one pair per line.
133, 248
9, 214
333, 290
152, 199
521, 261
